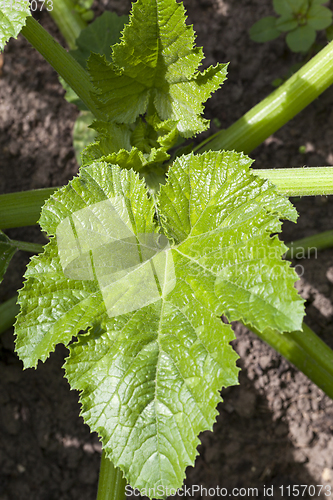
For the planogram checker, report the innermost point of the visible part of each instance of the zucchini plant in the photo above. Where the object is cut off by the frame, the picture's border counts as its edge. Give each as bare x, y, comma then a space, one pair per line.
148, 247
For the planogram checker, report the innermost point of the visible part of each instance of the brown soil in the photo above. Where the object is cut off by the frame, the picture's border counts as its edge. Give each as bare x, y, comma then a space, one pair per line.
275, 428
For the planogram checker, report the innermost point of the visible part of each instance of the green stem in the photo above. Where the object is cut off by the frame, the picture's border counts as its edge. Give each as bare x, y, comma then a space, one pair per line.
311, 244
278, 108
68, 20
8, 311
111, 483
70, 70
300, 181
23, 208
27, 246
306, 351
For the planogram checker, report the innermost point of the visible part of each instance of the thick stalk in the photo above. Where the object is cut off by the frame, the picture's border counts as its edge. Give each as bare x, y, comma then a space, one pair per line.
306, 351
306, 246
278, 108
8, 311
22, 208
68, 20
300, 181
70, 70
111, 483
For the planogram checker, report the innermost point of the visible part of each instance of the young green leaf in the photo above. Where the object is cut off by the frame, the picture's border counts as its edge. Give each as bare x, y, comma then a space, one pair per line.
155, 68
141, 146
319, 17
264, 30
13, 14
286, 23
287, 7
299, 6
133, 159
111, 138
113, 145
156, 353
283, 7
301, 39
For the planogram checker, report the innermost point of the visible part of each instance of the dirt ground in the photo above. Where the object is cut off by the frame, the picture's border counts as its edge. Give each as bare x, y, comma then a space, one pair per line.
275, 428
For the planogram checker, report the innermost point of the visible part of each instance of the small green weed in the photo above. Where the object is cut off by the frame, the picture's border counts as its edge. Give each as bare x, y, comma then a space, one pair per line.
300, 19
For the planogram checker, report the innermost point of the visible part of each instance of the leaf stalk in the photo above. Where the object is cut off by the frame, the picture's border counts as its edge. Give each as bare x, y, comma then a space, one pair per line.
26, 246
111, 483
310, 244
23, 208
278, 108
306, 351
65, 65
308, 181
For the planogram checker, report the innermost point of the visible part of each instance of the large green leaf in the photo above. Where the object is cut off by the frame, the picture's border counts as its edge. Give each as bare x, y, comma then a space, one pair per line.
222, 217
155, 353
156, 66
53, 313
13, 14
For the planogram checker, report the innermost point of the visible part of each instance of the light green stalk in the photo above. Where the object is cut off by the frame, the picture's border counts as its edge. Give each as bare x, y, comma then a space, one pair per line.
23, 208
70, 70
306, 351
278, 108
300, 181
